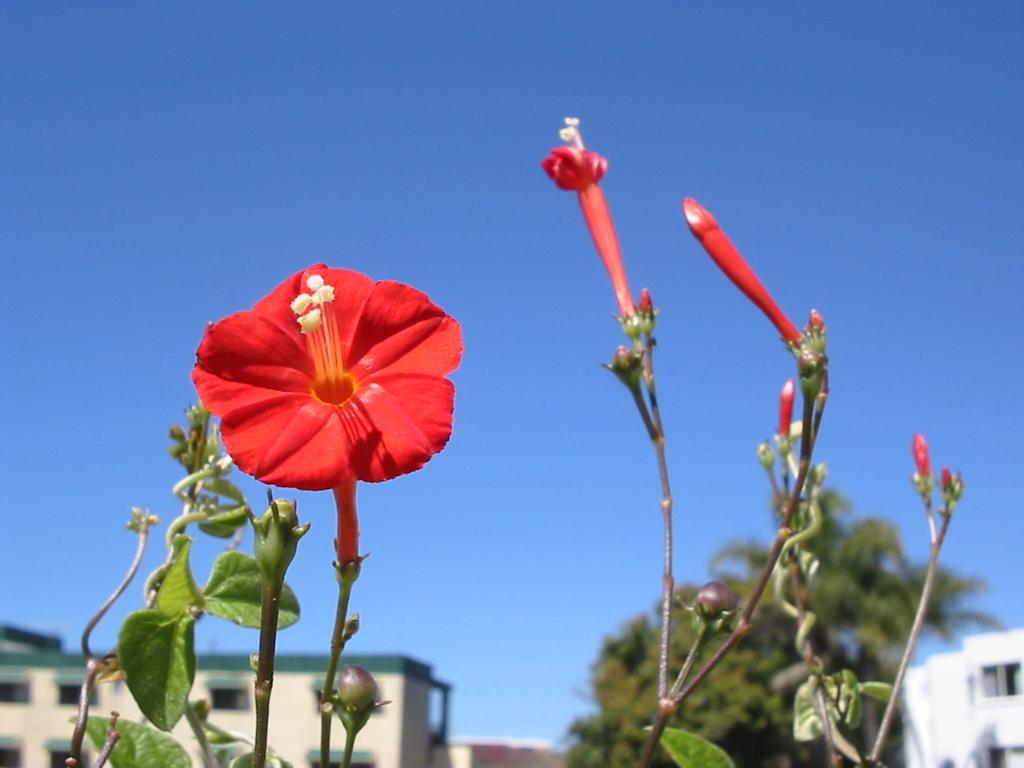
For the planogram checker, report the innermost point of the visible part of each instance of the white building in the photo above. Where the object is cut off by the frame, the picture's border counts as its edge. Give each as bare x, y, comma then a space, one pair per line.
39, 688
966, 709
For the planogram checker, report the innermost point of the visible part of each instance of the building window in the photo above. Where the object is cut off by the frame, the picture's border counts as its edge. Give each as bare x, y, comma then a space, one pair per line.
14, 692
57, 758
1000, 680
10, 757
229, 698
1006, 757
359, 759
68, 693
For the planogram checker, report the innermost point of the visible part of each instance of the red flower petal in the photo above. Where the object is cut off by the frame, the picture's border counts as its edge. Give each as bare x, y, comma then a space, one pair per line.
401, 330
408, 419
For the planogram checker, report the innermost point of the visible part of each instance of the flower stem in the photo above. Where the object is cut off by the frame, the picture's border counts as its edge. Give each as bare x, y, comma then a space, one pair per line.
915, 631
337, 646
809, 435
667, 580
270, 601
350, 745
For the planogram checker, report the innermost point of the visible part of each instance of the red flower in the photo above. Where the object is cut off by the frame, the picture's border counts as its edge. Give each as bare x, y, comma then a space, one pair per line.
579, 170
729, 260
331, 378
920, 449
786, 407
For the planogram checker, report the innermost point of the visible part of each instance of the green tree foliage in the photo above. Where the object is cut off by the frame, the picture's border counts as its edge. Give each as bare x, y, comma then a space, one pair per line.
865, 597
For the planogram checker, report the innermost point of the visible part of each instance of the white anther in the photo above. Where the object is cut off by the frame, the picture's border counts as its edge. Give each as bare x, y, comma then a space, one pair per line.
310, 321
314, 281
301, 303
323, 294
568, 134
572, 122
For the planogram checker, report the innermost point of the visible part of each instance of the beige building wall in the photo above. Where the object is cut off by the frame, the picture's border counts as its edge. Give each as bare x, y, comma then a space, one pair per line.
398, 736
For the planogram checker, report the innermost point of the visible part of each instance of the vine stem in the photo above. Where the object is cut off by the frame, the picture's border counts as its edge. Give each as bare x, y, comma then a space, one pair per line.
270, 604
808, 436
92, 664
915, 631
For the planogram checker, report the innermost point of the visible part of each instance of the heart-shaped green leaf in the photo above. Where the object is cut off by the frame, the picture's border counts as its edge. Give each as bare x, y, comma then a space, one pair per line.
233, 592
139, 746
157, 654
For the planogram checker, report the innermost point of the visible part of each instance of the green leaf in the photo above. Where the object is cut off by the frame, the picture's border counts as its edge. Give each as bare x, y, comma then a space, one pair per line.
876, 690
178, 591
156, 653
226, 488
689, 750
224, 524
806, 723
233, 592
139, 746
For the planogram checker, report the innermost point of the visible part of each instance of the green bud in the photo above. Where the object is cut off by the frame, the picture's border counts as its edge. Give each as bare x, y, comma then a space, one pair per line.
714, 607
811, 366
277, 536
628, 365
356, 698
176, 433
766, 456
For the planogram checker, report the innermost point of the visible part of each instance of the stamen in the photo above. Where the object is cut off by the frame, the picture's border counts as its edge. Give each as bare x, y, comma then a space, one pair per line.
301, 303
571, 133
323, 294
314, 281
310, 321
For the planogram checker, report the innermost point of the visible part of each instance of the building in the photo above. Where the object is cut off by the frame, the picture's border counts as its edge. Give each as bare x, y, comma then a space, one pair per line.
40, 684
503, 753
966, 709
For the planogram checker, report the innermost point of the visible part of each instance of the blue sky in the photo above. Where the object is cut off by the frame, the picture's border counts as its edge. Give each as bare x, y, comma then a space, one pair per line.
166, 164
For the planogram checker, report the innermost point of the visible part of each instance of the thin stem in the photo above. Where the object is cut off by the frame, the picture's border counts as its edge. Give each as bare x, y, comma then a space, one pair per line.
915, 632
92, 669
826, 725
337, 646
667, 579
108, 746
205, 748
350, 745
269, 607
743, 625
140, 549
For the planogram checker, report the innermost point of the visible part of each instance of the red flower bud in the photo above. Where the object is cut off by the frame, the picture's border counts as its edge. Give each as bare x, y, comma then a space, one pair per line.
723, 252
645, 304
574, 168
786, 407
947, 479
714, 598
816, 321
920, 448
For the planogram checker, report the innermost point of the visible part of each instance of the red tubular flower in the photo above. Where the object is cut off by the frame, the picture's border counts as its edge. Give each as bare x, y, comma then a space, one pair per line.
723, 252
920, 448
331, 378
786, 407
947, 479
579, 170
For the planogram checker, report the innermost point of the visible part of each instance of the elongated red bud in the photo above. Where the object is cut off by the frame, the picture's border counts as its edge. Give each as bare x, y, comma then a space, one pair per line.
920, 448
816, 321
786, 407
723, 252
947, 479
645, 304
